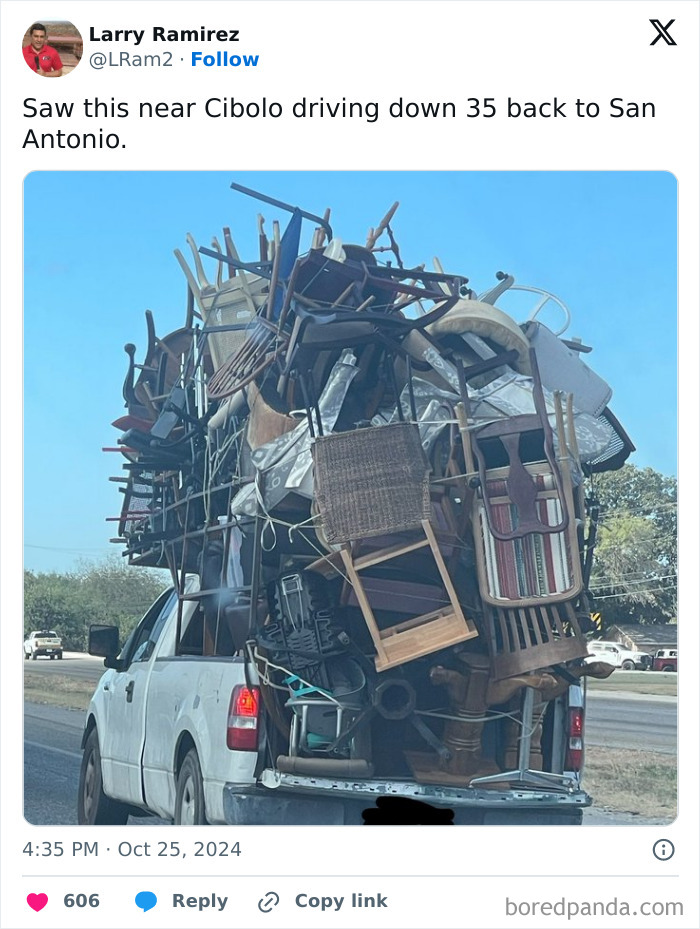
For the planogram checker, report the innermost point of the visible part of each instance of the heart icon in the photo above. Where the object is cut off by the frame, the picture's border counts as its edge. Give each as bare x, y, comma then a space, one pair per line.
37, 901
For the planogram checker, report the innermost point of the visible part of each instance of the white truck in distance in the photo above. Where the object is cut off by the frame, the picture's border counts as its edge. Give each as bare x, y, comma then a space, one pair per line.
188, 738
618, 656
43, 643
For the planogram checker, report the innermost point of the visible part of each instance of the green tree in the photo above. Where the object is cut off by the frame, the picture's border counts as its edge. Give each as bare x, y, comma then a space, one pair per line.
51, 601
635, 564
117, 594
109, 592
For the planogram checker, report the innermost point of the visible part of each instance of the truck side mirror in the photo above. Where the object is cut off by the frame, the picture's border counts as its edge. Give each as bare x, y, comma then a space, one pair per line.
103, 641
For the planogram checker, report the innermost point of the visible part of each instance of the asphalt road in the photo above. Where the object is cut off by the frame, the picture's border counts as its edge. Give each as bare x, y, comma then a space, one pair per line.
51, 763
74, 664
633, 721
52, 757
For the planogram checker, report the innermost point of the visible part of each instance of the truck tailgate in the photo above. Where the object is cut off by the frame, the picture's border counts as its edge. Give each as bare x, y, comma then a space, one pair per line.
301, 799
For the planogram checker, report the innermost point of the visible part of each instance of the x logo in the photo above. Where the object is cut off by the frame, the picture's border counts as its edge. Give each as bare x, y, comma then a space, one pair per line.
663, 31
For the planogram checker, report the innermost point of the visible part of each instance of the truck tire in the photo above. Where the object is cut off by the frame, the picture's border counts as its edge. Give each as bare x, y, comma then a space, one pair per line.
60, 656
26, 656
189, 794
628, 665
33, 656
95, 808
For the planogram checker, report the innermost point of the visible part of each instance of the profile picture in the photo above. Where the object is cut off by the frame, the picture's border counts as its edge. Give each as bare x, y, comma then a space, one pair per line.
51, 48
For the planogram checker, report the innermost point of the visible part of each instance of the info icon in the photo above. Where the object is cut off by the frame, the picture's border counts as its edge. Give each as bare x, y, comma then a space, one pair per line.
663, 849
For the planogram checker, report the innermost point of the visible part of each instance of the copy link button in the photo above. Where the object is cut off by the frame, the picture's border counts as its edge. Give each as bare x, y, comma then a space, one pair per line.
268, 902
663, 849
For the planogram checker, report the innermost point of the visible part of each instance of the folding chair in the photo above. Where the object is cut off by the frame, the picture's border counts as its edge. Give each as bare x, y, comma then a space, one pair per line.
374, 482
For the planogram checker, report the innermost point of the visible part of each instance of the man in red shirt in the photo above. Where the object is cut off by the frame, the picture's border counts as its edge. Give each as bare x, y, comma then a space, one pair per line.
41, 57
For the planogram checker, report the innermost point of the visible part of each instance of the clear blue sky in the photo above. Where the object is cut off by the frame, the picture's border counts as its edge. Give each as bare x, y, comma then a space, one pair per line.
99, 251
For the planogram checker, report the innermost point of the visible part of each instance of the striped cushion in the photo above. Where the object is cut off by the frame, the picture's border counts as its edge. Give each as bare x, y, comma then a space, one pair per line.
533, 566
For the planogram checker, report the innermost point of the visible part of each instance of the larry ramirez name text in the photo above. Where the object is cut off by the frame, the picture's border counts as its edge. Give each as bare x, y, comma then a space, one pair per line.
161, 34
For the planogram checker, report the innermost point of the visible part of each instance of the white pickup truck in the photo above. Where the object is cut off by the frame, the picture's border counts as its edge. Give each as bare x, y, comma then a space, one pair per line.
618, 656
43, 642
193, 738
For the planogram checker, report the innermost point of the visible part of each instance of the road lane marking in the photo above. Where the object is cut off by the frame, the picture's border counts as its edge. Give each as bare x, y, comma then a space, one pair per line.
49, 748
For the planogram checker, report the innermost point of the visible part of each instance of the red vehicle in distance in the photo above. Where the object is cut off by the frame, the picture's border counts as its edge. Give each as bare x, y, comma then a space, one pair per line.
666, 659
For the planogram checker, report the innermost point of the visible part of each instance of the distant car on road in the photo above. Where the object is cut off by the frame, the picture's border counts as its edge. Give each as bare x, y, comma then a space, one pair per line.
618, 656
666, 659
43, 642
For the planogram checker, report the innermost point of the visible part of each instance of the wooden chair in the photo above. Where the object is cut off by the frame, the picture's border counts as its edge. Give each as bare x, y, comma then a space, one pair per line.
526, 639
374, 482
526, 519
524, 512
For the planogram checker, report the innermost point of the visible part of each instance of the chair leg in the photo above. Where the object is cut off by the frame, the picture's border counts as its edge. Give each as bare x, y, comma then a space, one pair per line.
346, 555
442, 568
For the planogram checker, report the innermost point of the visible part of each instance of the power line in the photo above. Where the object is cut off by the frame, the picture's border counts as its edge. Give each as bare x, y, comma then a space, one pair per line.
642, 580
651, 580
644, 513
647, 591
652, 540
74, 551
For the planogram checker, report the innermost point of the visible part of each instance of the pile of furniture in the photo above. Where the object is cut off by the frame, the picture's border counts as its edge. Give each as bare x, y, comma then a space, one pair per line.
378, 478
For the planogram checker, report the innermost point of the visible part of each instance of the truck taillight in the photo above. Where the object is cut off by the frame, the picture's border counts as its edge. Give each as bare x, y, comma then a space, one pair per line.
243, 711
574, 752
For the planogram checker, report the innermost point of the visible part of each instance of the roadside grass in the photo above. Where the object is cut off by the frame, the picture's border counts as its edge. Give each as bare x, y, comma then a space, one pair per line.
654, 683
58, 690
626, 781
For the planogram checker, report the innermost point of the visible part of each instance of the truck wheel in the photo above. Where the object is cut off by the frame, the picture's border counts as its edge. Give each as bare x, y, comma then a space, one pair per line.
628, 665
26, 656
189, 795
95, 808
33, 656
668, 667
60, 655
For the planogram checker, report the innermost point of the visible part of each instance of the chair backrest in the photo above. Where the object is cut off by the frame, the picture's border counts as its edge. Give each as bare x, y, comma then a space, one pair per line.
520, 485
235, 304
371, 482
